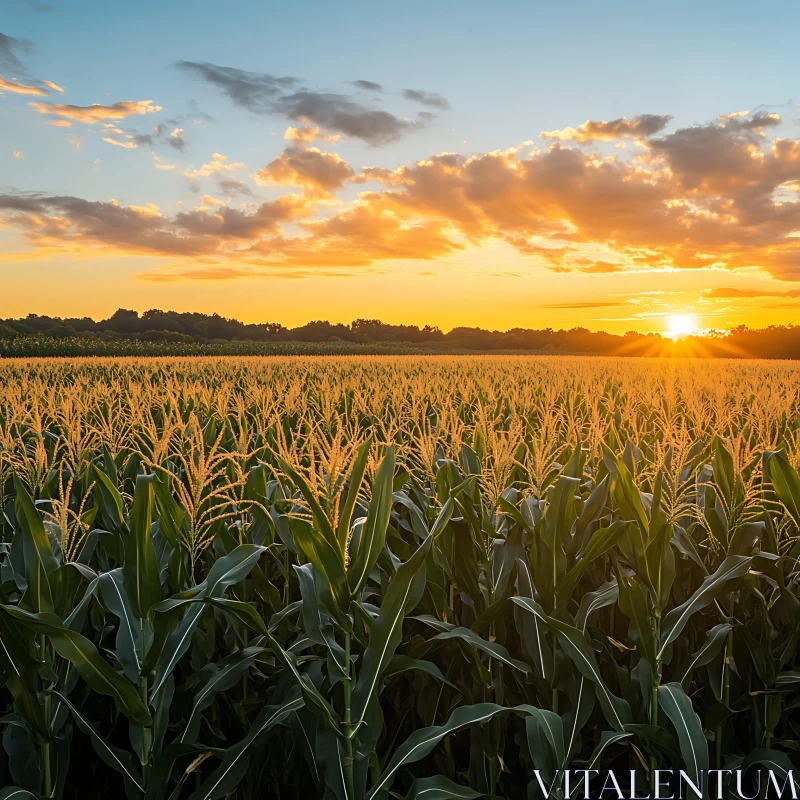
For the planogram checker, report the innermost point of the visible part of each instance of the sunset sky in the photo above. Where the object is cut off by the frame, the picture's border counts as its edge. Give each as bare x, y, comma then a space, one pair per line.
605, 165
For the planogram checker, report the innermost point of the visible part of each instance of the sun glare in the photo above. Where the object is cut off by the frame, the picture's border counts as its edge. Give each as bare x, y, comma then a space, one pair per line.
681, 325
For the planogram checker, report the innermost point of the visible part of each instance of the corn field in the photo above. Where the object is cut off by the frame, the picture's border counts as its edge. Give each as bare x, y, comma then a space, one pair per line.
360, 578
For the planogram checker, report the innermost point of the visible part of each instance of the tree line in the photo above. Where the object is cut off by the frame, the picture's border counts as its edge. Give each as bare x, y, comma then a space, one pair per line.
187, 328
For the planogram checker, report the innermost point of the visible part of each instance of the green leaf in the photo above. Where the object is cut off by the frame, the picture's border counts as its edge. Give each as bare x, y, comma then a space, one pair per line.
231, 569
786, 483
607, 739
111, 499
715, 639
37, 553
223, 678
545, 733
327, 560
633, 603
730, 569
356, 479
492, 649
560, 513
129, 636
373, 532
321, 521
423, 741
117, 759
694, 747
141, 573
79, 651
234, 764
19, 669
440, 788
574, 644
386, 630
171, 517
15, 793
317, 625
600, 542
314, 701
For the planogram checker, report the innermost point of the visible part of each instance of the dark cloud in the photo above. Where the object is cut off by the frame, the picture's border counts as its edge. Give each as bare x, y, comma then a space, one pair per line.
66, 220
165, 133
718, 155
370, 86
9, 47
252, 90
427, 98
233, 187
262, 93
340, 113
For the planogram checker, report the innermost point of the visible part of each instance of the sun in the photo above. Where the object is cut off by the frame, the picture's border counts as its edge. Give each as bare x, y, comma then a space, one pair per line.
681, 325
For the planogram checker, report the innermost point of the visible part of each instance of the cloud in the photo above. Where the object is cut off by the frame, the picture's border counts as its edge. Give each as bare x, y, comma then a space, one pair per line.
593, 304
16, 87
206, 274
317, 172
233, 187
162, 135
218, 163
10, 61
427, 98
724, 293
57, 223
251, 90
342, 114
117, 143
304, 134
262, 93
18, 154
709, 196
96, 113
638, 127
369, 86
9, 47
596, 267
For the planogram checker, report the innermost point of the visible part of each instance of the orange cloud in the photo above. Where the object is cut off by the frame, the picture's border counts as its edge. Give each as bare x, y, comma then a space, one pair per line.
708, 196
20, 88
317, 172
218, 163
96, 113
725, 293
639, 127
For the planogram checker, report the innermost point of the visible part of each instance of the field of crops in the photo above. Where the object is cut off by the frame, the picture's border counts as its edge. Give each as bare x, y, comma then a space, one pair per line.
354, 578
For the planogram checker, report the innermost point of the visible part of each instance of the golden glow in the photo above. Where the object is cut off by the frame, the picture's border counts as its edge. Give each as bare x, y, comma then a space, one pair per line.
680, 325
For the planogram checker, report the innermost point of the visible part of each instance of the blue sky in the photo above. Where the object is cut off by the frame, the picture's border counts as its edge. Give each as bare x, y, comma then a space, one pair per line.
508, 71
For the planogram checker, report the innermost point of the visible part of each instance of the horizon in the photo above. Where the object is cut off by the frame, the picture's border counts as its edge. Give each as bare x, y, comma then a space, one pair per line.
649, 182
680, 330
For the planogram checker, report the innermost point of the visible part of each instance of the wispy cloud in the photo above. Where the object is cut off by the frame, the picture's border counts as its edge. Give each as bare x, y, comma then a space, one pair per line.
262, 93
95, 113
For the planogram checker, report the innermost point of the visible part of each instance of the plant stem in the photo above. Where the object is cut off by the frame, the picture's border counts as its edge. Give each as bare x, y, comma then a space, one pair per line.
147, 732
46, 744
726, 693
348, 741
